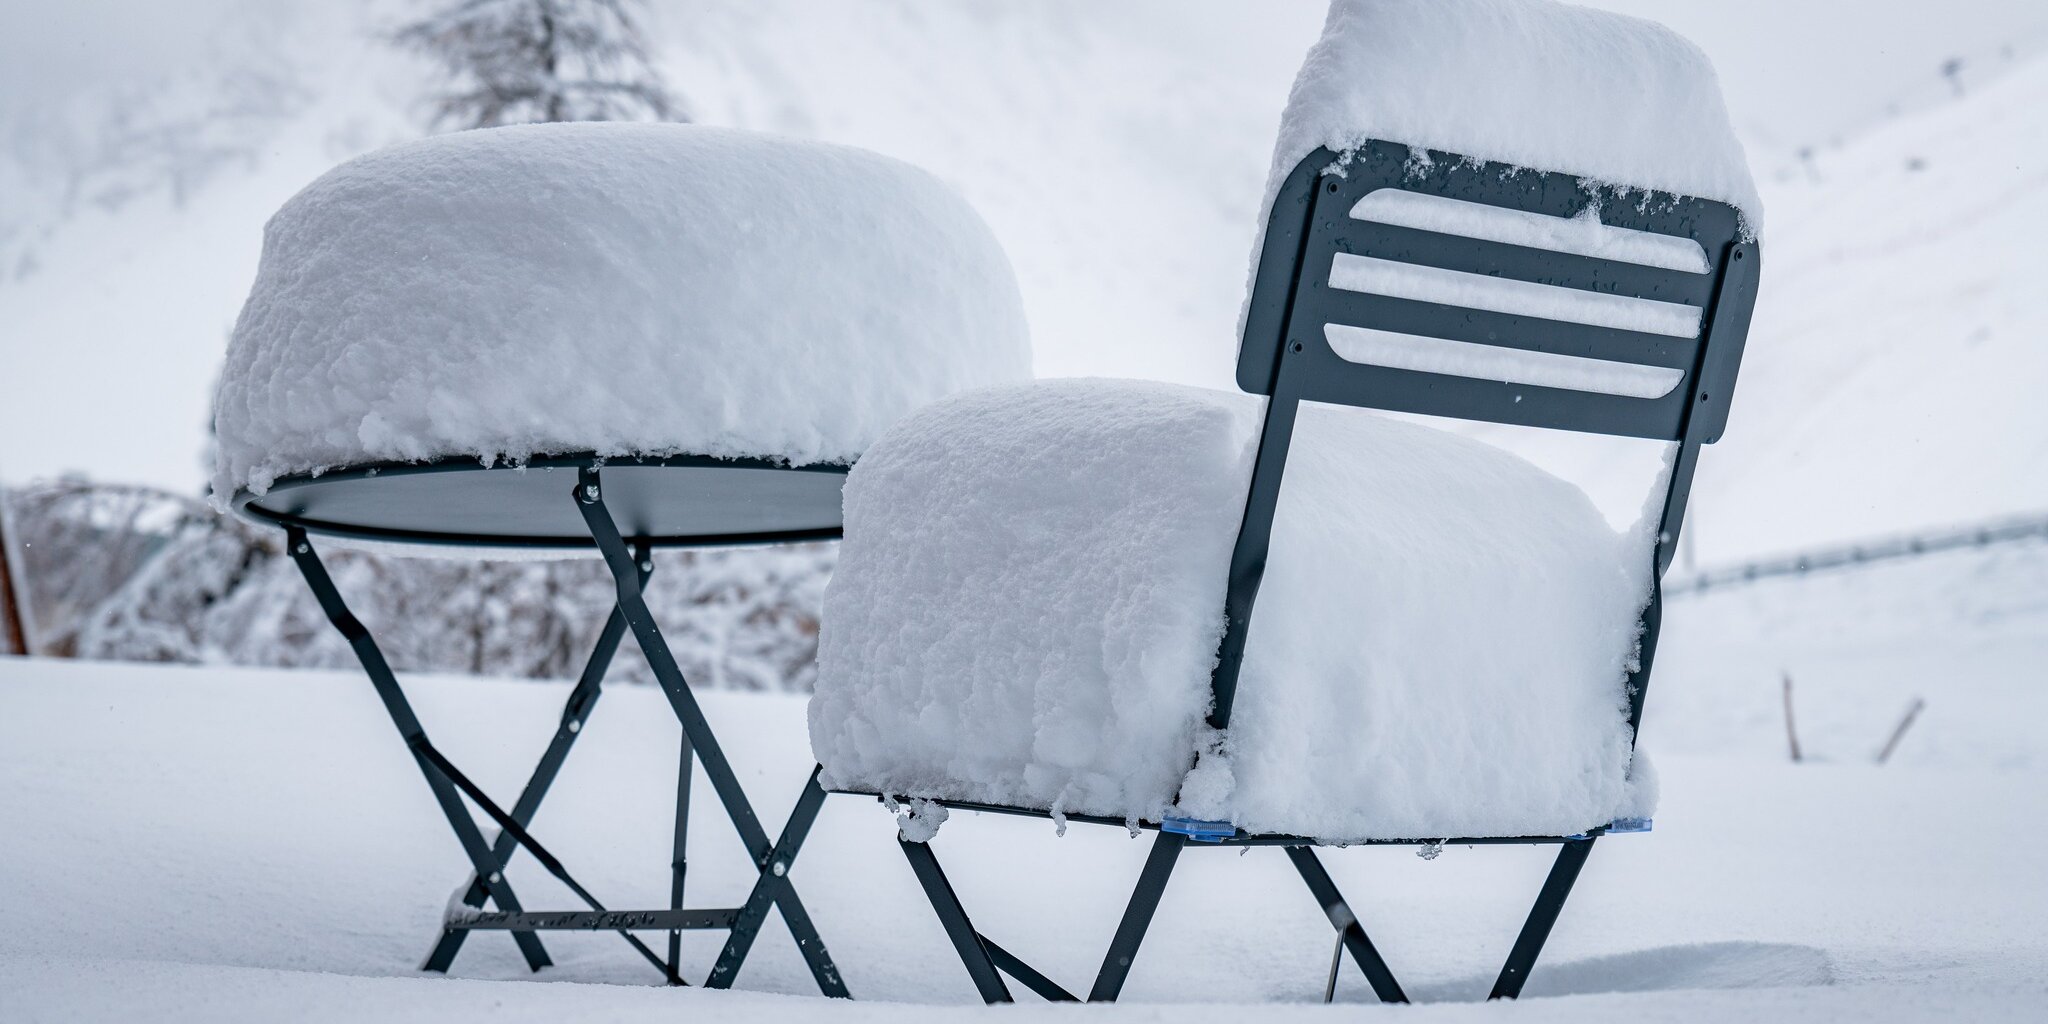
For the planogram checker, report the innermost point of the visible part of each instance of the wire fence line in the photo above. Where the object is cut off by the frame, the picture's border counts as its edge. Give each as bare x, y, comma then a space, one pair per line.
1905, 546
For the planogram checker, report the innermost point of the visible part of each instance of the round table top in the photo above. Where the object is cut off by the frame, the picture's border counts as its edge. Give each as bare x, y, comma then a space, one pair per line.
674, 501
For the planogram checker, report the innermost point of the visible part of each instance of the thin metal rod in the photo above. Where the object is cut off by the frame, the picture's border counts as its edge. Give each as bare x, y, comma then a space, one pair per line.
485, 863
1336, 961
593, 920
1542, 917
1130, 932
1010, 964
1349, 930
505, 821
974, 955
686, 766
575, 711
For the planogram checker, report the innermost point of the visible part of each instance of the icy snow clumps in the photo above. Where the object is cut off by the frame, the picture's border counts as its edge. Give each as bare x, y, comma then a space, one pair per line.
1533, 83
1030, 596
617, 288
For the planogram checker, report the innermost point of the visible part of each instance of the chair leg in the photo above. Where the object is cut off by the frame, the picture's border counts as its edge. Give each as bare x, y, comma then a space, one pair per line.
574, 713
489, 868
1355, 941
1130, 932
1536, 930
966, 941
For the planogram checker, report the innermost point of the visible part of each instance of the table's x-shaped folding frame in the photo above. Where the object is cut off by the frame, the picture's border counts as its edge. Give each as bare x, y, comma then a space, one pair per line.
630, 566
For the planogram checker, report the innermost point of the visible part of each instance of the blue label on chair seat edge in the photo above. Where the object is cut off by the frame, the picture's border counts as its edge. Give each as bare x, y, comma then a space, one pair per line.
1198, 830
1625, 825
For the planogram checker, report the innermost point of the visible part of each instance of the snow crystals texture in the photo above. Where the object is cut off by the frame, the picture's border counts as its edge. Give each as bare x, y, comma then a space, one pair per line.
1030, 596
616, 288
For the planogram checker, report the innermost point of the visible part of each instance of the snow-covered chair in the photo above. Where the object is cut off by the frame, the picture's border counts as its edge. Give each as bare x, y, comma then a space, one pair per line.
599, 336
1044, 603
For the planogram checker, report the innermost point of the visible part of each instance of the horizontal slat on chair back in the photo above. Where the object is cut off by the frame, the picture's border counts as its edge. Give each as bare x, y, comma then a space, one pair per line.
1486, 292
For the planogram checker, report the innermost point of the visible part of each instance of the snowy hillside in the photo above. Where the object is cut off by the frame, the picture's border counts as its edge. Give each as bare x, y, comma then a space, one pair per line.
1894, 377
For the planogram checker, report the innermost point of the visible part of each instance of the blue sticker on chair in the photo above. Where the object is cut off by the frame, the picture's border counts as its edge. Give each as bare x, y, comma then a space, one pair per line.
1622, 825
1198, 830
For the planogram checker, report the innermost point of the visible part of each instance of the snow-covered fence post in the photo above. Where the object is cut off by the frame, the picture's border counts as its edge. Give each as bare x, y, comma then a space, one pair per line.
14, 611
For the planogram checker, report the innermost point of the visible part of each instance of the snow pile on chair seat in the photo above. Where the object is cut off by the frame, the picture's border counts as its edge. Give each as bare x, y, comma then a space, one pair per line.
617, 288
1533, 83
1029, 600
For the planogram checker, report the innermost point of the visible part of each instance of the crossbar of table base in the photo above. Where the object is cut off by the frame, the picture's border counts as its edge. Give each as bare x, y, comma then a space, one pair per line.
591, 920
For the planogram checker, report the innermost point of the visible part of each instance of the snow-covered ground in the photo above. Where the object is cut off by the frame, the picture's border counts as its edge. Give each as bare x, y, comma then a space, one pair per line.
232, 844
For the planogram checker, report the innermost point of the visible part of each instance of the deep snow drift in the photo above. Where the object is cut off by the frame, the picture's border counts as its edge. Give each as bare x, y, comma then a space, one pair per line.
1030, 594
616, 288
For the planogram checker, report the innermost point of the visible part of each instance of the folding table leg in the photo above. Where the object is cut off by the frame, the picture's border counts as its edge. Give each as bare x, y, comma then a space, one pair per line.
679, 861
574, 713
1339, 912
589, 497
772, 886
953, 917
489, 868
1123, 949
1536, 930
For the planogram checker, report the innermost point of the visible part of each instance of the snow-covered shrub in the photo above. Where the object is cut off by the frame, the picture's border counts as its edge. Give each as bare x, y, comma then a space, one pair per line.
127, 573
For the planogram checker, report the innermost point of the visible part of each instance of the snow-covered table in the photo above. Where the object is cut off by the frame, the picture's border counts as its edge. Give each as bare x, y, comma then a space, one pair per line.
599, 336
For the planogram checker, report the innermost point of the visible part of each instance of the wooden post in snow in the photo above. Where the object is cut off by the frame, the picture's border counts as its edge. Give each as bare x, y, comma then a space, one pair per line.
14, 628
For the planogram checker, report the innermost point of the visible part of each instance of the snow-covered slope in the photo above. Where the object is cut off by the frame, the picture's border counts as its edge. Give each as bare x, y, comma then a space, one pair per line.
1893, 379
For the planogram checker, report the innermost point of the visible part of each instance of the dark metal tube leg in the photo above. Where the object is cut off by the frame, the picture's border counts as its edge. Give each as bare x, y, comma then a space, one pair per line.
1130, 932
575, 711
488, 868
1339, 912
966, 942
772, 889
589, 498
679, 863
1536, 930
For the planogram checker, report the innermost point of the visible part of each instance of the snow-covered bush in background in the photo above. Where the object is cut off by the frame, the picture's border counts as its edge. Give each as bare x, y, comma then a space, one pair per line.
131, 574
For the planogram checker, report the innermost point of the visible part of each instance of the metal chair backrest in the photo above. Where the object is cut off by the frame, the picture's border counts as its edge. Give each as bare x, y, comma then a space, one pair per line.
1425, 282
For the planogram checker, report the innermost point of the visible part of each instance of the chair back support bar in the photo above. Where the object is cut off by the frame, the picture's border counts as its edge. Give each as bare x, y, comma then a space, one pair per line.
1424, 282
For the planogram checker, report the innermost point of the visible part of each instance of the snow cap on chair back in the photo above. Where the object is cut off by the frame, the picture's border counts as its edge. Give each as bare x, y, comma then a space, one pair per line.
1534, 83
609, 288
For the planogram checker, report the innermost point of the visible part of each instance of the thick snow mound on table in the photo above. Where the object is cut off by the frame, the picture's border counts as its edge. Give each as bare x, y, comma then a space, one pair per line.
1533, 83
618, 288
1030, 593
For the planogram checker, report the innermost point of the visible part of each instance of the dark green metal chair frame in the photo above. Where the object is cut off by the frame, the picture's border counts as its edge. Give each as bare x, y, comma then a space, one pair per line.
569, 502
1286, 356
